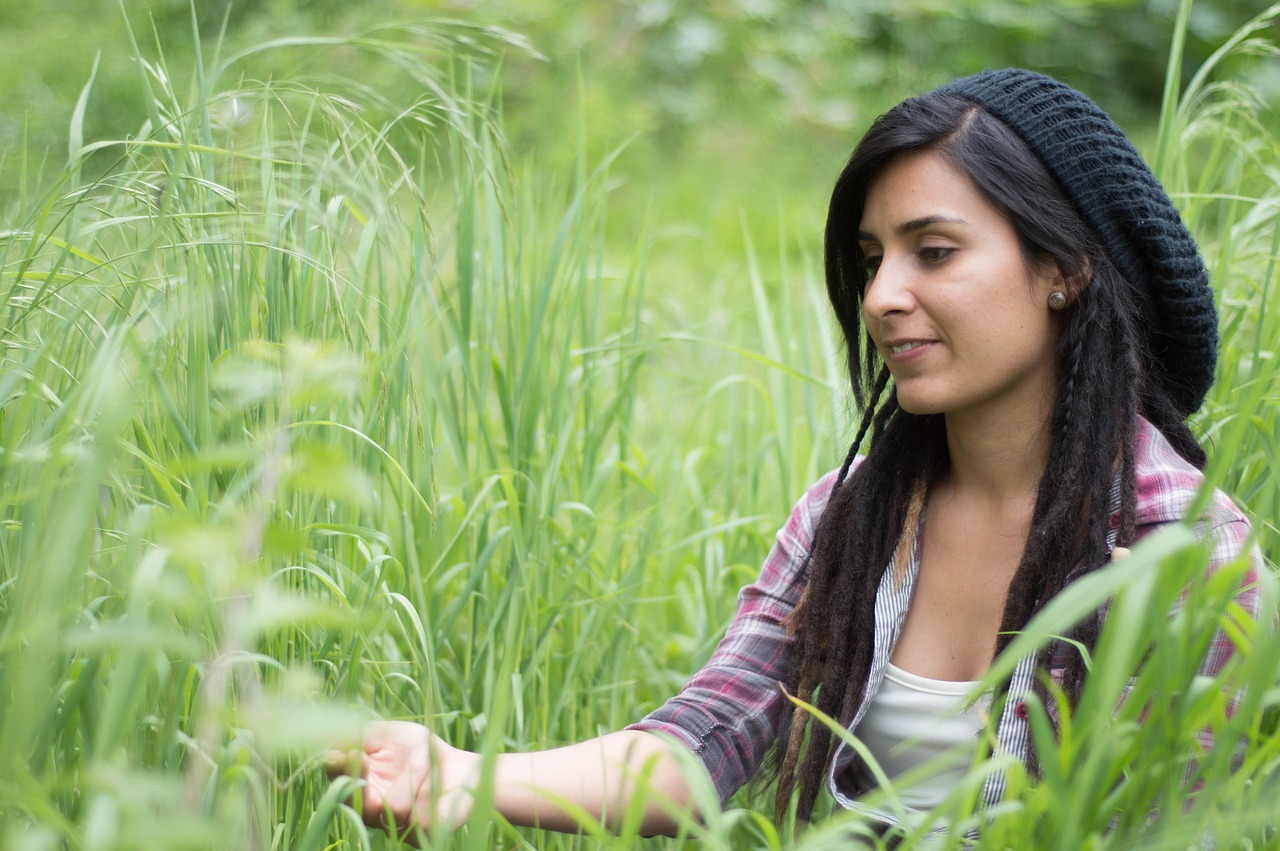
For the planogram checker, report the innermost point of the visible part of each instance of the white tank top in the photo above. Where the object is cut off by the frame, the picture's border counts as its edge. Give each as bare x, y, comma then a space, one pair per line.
912, 720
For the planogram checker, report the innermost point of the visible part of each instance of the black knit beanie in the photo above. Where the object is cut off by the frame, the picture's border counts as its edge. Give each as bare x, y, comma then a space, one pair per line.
1116, 193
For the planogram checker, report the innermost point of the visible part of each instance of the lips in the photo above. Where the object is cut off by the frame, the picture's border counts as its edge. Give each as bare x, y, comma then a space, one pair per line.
901, 352
902, 345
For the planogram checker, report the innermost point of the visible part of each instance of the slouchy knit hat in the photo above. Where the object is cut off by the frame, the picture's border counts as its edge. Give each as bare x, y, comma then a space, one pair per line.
1116, 193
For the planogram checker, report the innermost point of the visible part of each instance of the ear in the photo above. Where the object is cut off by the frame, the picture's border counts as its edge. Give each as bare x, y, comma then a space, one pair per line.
1071, 282
1075, 284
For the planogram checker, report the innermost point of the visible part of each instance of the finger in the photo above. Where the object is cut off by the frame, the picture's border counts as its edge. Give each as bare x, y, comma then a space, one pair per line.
372, 806
387, 801
339, 762
368, 800
1119, 553
409, 835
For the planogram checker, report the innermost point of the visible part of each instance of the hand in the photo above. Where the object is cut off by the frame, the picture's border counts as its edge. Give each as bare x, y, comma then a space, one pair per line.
414, 778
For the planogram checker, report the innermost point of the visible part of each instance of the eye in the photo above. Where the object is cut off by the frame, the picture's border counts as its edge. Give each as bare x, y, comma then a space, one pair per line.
871, 263
932, 255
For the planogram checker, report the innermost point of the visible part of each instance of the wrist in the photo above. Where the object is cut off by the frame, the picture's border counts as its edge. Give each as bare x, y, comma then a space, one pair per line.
448, 787
459, 769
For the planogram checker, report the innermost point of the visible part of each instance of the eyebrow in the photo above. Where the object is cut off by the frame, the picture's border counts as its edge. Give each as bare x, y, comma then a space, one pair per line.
913, 226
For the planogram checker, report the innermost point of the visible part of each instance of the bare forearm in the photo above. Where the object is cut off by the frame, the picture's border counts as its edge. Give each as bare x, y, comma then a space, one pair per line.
601, 776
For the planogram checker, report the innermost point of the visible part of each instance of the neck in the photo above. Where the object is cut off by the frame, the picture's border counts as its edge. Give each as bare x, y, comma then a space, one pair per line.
998, 460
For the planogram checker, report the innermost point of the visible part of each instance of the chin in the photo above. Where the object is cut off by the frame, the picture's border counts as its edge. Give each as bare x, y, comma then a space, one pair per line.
921, 407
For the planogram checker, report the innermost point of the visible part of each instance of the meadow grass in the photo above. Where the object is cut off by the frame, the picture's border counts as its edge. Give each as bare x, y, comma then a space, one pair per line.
308, 416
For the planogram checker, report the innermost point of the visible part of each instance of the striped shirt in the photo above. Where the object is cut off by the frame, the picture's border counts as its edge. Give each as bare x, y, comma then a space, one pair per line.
727, 713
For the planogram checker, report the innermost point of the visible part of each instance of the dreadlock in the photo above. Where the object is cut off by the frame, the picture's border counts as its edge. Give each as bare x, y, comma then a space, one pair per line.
1102, 390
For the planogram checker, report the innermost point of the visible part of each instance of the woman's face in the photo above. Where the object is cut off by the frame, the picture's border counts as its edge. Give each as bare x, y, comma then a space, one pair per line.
963, 325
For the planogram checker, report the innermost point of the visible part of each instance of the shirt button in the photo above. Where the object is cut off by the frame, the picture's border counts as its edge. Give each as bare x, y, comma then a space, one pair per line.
1114, 521
1021, 710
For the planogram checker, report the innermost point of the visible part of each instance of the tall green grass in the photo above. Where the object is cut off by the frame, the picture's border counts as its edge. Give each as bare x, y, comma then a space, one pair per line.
323, 405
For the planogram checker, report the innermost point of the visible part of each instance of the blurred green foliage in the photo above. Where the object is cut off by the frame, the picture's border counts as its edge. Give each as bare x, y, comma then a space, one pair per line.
783, 80
735, 114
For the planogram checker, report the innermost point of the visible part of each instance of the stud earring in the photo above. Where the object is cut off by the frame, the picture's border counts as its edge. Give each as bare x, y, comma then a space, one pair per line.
1057, 300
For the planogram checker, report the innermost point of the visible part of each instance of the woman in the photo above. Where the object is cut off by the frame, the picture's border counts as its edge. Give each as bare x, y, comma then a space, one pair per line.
1028, 326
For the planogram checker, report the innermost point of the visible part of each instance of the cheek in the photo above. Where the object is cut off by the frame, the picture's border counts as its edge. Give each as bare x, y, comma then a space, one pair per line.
1021, 332
1037, 338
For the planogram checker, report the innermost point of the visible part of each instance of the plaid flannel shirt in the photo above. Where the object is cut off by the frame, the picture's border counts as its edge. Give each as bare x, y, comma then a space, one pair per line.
727, 713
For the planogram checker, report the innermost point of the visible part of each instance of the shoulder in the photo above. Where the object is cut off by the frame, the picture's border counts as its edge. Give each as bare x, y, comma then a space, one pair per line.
814, 501
796, 535
1167, 484
818, 494
1167, 487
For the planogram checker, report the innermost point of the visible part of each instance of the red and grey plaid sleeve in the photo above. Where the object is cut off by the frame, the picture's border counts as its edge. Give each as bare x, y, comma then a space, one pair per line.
727, 713
1165, 489
1228, 532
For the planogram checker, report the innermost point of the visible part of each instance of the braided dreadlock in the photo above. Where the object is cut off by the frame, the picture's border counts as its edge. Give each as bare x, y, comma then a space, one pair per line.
1102, 390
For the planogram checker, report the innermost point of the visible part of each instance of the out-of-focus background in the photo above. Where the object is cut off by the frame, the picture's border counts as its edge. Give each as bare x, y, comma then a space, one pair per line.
723, 106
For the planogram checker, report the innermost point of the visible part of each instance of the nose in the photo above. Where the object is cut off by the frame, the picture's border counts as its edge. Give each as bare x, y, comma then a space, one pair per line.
888, 291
